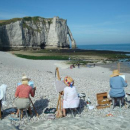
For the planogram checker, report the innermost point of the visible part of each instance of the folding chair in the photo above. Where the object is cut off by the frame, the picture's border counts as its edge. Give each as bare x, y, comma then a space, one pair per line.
119, 100
73, 110
21, 113
81, 96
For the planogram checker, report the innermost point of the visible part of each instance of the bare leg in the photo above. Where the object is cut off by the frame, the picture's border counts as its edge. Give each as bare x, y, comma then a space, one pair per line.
64, 112
21, 114
17, 113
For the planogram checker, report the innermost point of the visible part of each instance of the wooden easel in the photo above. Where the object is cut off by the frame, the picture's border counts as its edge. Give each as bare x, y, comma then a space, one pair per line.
59, 103
118, 66
59, 99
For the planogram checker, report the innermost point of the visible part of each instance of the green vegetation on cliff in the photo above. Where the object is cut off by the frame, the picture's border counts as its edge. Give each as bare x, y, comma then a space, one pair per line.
5, 22
35, 20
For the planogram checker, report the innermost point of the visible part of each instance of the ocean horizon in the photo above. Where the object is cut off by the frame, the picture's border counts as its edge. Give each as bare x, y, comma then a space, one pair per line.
108, 47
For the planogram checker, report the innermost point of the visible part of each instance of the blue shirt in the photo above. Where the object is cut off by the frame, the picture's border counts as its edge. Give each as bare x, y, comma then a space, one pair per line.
117, 85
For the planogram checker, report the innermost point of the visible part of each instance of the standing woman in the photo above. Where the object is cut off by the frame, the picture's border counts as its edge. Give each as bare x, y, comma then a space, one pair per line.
117, 85
70, 99
22, 94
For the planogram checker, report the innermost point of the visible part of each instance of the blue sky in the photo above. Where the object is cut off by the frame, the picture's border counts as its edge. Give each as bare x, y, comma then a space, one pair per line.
90, 21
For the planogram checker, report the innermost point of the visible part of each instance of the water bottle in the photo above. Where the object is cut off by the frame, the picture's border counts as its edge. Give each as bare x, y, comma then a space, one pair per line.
88, 102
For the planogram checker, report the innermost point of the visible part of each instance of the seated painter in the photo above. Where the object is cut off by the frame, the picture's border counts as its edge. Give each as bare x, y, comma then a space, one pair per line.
22, 94
70, 98
3, 88
117, 85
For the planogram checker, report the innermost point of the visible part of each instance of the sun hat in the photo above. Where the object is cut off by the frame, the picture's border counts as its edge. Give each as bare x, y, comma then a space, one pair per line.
24, 78
68, 81
115, 73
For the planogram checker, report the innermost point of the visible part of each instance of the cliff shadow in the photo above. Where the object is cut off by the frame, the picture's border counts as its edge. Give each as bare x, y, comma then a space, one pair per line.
5, 40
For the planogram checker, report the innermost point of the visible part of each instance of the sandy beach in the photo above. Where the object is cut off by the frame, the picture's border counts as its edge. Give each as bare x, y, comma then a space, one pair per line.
87, 80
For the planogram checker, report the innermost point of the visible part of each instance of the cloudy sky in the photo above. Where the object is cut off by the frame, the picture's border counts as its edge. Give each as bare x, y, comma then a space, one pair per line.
90, 21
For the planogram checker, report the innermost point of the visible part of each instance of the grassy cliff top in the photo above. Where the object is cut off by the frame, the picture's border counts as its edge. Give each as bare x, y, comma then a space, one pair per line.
34, 19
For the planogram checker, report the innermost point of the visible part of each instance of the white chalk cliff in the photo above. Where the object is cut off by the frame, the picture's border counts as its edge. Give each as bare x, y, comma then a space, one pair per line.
36, 32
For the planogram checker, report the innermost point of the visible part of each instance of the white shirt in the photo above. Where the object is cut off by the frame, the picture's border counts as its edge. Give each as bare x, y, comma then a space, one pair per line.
3, 93
71, 99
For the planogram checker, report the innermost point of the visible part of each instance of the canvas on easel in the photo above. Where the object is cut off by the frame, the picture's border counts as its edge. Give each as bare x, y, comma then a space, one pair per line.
59, 85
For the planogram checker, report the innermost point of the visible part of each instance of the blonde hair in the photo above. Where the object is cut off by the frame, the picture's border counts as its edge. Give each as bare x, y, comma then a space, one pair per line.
25, 82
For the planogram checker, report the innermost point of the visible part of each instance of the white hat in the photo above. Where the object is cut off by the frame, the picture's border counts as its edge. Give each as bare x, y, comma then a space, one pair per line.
25, 78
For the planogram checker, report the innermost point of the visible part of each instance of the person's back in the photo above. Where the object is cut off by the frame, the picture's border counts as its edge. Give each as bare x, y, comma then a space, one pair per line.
70, 93
23, 91
117, 85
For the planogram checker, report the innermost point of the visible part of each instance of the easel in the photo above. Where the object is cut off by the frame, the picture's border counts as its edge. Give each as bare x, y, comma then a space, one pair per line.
34, 107
58, 76
58, 109
21, 110
118, 66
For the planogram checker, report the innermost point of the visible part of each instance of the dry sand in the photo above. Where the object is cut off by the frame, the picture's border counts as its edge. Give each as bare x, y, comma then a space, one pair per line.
87, 80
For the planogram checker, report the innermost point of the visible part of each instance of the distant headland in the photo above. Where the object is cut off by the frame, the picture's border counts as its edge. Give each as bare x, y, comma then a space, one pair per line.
35, 33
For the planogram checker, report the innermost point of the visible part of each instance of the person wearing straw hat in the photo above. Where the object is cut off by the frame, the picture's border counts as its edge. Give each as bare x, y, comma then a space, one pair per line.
70, 99
22, 94
117, 85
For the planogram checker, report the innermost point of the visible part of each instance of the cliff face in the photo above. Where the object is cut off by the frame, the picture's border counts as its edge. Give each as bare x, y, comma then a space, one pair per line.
36, 32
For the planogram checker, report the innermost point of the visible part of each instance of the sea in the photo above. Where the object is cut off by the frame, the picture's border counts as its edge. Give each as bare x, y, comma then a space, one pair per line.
109, 47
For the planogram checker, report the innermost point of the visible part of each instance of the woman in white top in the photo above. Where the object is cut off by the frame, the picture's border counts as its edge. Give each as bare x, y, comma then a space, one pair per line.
70, 99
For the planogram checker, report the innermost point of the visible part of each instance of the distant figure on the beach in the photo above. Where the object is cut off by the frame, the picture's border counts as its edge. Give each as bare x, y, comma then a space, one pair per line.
94, 65
70, 99
117, 85
78, 65
22, 93
73, 66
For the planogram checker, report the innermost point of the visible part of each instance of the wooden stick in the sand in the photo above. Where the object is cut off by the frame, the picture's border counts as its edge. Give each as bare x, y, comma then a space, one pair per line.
118, 66
34, 107
58, 75
58, 102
